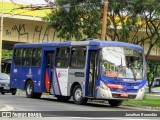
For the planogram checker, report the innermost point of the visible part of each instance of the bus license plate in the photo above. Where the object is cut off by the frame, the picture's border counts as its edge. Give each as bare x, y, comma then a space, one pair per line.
124, 95
6, 87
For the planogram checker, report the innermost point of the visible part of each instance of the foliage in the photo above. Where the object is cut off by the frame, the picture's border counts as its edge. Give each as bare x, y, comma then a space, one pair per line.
7, 54
152, 72
83, 19
131, 21
134, 21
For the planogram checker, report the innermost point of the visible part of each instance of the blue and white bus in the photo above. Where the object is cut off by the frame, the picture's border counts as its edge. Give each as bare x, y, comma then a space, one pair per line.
91, 69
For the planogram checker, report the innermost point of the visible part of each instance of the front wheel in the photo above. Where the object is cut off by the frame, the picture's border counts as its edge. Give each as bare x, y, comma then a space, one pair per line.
2, 93
13, 93
78, 95
115, 103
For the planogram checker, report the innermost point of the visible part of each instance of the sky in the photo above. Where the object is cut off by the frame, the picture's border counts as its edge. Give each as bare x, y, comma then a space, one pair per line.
27, 1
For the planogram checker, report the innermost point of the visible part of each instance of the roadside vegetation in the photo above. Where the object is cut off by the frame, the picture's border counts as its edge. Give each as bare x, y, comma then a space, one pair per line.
148, 102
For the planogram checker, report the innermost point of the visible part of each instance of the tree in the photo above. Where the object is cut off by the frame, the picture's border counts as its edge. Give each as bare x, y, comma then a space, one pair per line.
76, 19
7, 54
133, 21
152, 72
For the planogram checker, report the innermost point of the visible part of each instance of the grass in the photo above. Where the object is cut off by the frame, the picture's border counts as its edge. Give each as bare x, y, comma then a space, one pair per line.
20, 91
150, 102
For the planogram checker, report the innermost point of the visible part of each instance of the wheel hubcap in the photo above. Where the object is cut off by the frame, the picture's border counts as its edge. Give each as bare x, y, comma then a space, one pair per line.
29, 89
78, 94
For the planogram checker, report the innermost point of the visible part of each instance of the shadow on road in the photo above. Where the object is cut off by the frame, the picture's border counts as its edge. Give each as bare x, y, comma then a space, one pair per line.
89, 103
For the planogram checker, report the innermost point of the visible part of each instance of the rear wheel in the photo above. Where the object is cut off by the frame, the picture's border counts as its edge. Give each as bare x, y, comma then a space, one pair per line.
78, 95
30, 91
115, 103
2, 93
63, 98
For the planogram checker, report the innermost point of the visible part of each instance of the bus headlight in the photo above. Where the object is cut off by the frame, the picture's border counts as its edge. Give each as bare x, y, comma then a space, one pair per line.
103, 86
143, 88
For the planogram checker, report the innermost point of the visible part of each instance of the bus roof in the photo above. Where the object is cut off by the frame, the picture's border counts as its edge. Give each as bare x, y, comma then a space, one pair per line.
97, 43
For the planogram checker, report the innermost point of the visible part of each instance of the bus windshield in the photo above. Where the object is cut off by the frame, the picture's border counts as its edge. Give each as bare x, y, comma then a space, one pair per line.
122, 62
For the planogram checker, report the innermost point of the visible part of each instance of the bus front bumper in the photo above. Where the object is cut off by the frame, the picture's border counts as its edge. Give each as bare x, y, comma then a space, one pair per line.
107, 94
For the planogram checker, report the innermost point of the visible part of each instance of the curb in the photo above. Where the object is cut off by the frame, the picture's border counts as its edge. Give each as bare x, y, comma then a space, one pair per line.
157, 95
4, 107
142, 107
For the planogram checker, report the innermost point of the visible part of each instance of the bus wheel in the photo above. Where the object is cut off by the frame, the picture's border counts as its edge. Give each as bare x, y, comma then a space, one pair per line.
29, 89
63, 98
78, 95
115, 103
13, 93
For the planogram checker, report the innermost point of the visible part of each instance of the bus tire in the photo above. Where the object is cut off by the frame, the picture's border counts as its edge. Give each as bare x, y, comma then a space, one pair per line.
115, 103
29, 89
13, 93
2, 93
63, 98
78, 95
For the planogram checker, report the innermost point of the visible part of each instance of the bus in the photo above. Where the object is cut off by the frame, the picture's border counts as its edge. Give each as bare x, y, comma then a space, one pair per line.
90, 69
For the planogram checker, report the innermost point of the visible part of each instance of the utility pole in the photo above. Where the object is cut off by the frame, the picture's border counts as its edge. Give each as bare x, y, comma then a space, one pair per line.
104, 21
1, 32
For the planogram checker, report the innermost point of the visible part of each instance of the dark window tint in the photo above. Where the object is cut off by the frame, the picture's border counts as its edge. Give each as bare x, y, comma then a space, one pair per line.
78, 57
17, 56
27, 57
50, 56
62, 57
36, 57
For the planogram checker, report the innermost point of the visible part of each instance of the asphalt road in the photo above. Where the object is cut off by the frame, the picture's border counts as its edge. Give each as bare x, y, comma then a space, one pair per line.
52, 107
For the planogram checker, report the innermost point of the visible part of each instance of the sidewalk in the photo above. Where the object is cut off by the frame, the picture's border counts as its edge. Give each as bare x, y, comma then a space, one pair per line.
152, 95
4, 107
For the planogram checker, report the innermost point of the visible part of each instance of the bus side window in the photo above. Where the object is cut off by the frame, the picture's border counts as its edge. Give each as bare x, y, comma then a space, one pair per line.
36, 57
17, 56
78, 57
26, 59
62, 57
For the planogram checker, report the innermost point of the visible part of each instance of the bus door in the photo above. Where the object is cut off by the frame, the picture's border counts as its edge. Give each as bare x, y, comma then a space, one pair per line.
93, 69
49, 70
